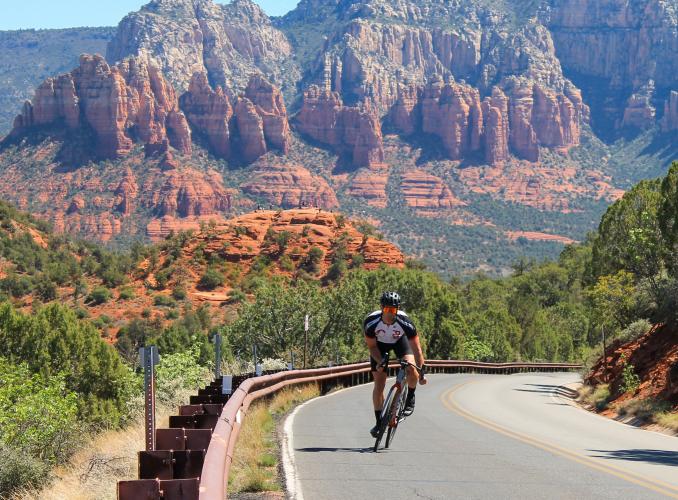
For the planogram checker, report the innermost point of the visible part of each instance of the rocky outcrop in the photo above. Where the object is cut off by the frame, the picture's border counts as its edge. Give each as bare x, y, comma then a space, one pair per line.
352, 129
257, 124
670, 119
425, 191
191, 193
370, 186
530, 116
270, 106
250, 130
290, 186
620, 45
227, 42
126, 194
120, 104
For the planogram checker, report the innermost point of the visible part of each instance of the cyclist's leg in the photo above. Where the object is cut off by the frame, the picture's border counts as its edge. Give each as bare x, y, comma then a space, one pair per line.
404, 351
379, 381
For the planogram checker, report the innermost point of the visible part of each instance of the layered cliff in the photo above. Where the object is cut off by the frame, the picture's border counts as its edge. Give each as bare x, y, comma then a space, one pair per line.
623, 51
355, 130
120, 104
498, 125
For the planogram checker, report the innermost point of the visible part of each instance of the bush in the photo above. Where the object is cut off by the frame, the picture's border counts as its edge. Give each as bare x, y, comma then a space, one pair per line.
164, 301
100, 295
45, 289
16, 286
211, 279
179, 293
635, 330
126, 294
19, 471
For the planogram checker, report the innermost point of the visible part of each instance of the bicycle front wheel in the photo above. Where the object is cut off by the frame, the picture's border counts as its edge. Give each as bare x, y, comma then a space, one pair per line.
398, 409
385, 417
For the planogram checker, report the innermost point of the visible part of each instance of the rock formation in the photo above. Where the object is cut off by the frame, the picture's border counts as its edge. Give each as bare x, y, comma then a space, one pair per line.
370, 186
530, 116
425, 191
291, 186
192, 193
118, 103
270, 106
259, 120
622, 45
352, 129
227, 42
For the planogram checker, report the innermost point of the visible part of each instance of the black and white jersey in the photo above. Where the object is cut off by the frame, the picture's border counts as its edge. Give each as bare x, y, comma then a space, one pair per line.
389, 334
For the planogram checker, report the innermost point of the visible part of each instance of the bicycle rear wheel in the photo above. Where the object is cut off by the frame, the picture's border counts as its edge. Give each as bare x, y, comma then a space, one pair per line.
385, 417
399, 405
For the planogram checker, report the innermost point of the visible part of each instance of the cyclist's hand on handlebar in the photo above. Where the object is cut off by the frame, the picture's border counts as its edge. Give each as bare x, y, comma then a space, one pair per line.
422, 375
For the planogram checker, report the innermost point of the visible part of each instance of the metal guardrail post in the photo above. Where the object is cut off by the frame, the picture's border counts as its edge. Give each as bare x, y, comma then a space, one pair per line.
149, 359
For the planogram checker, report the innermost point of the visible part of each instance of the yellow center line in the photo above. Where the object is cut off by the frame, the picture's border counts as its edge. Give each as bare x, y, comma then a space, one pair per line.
656, 485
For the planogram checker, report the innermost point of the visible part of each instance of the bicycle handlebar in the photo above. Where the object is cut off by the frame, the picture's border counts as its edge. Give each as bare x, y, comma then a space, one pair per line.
403, 364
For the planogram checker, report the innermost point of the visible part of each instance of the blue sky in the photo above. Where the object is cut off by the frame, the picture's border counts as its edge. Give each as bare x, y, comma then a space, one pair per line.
70, 13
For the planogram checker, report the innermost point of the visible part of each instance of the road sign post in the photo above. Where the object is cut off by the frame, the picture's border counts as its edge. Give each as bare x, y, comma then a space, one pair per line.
217, 356
306, 319
149, 359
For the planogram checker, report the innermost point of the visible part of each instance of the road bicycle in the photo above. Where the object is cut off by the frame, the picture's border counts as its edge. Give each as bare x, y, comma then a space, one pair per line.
392, 412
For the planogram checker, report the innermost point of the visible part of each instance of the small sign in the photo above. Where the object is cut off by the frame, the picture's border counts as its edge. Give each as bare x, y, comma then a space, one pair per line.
290, 366
227, 385
258, 370
306, 322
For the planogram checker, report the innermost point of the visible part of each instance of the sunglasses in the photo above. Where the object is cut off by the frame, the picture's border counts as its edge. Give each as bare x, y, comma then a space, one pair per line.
390, 309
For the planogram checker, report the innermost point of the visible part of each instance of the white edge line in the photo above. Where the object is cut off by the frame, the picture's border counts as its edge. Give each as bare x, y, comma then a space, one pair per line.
292, 483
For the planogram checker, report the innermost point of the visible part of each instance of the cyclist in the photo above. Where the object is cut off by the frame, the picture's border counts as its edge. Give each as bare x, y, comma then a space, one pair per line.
386, 329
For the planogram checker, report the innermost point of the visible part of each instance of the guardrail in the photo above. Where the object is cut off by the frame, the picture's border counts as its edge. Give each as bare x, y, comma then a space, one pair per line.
187, 474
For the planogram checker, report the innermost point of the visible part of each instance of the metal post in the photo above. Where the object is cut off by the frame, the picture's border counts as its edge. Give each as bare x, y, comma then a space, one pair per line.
602, 332
149, 358
305, 338
217, 356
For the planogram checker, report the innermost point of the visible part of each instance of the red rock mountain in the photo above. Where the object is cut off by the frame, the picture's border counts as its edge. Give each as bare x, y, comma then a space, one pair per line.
112, 101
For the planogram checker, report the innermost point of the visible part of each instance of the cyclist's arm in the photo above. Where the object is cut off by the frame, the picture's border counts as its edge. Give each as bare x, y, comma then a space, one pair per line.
374, 350
416, 349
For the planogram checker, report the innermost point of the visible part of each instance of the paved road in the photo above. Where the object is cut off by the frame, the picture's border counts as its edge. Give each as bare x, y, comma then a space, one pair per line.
477, 437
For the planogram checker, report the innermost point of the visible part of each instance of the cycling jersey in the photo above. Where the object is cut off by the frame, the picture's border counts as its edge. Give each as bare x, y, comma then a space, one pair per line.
389, 334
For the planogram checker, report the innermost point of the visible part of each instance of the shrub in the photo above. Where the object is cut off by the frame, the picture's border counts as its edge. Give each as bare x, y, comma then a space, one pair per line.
16, 286
236, 296
164, 301
211, 279
45, 289
630, 379
635, 330
19, 471
179, 293
286, 263
100, 295
126, 294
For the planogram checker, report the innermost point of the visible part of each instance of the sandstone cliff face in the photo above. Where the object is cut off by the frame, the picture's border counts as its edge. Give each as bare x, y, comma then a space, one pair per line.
425, 191
209, 112
370, 186
627, 45
356, 130
112, 101
192, 193
228, 42
291, 186
529, 117
258, 122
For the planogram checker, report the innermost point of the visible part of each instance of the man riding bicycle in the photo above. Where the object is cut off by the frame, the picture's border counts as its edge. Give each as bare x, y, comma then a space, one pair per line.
386, 329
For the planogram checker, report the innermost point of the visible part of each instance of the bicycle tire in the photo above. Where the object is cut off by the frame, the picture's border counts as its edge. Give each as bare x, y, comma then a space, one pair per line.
385, 417
400, 405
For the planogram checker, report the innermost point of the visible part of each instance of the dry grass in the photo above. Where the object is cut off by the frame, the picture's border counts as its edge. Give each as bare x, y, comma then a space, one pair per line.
597, 396
255, 464
94, 471
667, 419
642, 409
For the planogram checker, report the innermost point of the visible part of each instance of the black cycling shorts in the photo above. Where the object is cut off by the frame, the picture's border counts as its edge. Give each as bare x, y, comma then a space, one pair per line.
401, 347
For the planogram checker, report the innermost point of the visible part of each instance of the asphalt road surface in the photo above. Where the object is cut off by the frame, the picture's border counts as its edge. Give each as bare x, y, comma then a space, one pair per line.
476, 437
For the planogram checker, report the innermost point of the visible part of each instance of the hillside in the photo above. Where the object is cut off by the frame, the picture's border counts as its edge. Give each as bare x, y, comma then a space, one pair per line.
215, 264
455, 125
27, 57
